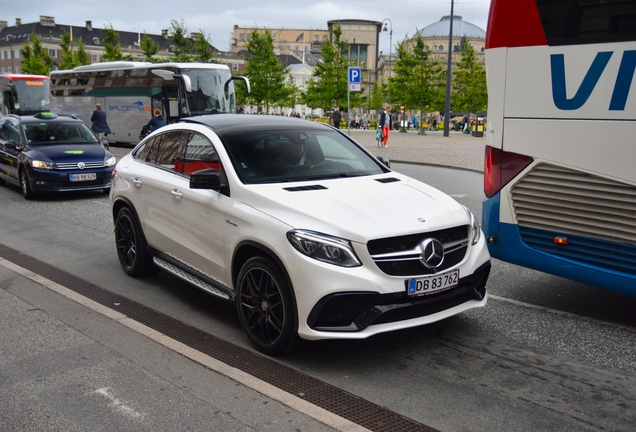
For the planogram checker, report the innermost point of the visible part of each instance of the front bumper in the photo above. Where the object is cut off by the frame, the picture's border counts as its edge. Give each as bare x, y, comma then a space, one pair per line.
59, 180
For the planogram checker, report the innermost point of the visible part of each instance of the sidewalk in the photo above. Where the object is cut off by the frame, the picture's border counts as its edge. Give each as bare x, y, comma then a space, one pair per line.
457, 150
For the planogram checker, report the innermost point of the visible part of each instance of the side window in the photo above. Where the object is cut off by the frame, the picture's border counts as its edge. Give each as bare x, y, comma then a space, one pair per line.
4, 131
200, 154
14, 133
144, 152
170, 150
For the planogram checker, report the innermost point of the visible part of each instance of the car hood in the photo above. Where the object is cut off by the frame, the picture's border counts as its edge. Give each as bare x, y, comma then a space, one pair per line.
361, 208
63, 153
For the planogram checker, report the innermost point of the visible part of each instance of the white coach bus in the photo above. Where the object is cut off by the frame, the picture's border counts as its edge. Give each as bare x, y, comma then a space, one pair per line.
560, 179
130, 91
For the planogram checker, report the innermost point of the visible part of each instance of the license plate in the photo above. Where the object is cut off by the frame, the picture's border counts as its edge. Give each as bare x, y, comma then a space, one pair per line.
83, 177
432, 284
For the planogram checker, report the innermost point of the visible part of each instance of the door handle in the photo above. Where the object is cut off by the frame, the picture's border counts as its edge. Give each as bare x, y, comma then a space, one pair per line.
137, 181
176, 193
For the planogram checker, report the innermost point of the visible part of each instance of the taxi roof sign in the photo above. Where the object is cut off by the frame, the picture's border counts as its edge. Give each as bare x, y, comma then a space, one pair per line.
45, 115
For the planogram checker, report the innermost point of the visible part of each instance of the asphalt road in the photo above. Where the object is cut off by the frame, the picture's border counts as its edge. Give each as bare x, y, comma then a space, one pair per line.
544, 354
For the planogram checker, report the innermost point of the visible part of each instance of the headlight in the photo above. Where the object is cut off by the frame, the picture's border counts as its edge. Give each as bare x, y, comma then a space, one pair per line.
42, 164
323, 247
111, 161
475, 229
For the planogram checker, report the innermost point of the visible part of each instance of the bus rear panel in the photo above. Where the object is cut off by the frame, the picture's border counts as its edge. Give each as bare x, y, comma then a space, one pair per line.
559, 176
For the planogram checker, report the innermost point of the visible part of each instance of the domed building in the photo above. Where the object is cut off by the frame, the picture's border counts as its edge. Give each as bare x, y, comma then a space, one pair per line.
436, 35
436, 38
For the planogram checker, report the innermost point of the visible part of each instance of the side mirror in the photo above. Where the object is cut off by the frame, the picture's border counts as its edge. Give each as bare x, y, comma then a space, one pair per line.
385, 161
11, 145
208, 179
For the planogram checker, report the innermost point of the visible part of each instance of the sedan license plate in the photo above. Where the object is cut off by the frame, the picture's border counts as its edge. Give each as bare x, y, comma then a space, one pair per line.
432, 284
83, 177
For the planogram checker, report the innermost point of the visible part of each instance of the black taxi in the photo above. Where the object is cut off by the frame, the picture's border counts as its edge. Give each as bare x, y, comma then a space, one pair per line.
47, 152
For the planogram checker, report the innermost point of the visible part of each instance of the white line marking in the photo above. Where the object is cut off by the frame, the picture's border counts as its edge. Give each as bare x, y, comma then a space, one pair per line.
118, 404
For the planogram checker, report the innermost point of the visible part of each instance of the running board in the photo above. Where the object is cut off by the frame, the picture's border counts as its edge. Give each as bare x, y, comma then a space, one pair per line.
199, 283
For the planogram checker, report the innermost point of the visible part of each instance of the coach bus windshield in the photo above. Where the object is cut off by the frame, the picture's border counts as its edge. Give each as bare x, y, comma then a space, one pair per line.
210, 95
33, 96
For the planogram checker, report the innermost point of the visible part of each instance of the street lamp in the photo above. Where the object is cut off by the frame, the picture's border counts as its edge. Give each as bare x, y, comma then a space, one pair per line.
448, 73
390, 30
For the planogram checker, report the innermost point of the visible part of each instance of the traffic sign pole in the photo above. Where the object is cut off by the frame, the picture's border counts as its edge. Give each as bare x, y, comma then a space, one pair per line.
354, 83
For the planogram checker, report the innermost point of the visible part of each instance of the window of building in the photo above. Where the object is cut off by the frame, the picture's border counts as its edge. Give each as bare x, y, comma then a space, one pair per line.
52, 53
316, 38
242, 36
95, 58
1, 55
324, 38
235, 67
16, 54
358, 55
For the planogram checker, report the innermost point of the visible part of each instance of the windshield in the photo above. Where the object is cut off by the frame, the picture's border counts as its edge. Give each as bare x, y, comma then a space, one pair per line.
58, 133
298, 155
33, 95
209, 93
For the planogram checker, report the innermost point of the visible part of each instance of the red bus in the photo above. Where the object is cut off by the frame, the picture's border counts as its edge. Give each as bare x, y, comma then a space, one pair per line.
24, 94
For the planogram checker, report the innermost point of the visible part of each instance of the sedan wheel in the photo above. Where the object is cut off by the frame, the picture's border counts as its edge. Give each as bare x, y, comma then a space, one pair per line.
265, 308
131, 245
27, 193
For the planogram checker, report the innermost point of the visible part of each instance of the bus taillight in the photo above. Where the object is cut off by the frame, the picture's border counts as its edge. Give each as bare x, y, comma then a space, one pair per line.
500, 167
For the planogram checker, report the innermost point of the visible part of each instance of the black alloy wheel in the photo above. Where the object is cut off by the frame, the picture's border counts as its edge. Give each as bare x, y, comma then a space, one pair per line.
25, 185
265, 307
131, 245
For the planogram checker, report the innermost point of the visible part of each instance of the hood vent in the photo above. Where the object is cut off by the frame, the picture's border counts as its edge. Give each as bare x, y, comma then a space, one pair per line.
387, 180
304, 188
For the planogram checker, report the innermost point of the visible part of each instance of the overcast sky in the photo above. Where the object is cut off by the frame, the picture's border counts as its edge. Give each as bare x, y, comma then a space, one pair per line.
217, 17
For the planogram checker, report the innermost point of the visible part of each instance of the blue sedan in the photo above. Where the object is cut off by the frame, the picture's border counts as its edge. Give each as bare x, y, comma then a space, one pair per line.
50, 153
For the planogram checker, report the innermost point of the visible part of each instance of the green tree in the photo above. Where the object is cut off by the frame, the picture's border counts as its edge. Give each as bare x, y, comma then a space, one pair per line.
181, 43
35, 60
203, 50
428, 85
328, 88
112, 46
268, 77
150, 48
69, 58
401, 81
469, 91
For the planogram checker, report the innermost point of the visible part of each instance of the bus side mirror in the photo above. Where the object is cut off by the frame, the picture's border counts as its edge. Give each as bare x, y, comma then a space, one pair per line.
240, 78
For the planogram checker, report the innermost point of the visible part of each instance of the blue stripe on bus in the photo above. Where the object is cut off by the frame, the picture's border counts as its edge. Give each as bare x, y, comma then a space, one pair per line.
580, 260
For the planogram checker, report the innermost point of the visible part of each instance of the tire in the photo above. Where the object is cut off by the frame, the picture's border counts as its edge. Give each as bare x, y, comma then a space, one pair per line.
265, 307
25, 185
132, 249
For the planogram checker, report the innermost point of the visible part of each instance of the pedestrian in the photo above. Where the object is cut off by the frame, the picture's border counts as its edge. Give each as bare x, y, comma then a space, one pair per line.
366, 121
156, 122
386, 123
337, 117
357, 121
415, 122
99, 126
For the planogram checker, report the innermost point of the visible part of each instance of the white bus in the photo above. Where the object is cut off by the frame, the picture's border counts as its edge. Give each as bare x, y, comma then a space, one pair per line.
560, 175
130, 91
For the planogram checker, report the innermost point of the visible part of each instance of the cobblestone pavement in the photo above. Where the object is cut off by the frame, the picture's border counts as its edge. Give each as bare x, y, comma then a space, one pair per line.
457, 150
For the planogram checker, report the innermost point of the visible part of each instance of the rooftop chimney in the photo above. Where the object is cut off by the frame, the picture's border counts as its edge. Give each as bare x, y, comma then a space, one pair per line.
3, 25
18, 21
194, 36
164, 33
89, 25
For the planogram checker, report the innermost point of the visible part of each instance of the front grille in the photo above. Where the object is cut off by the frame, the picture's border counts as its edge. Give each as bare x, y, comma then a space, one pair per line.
570, 202
400, 256
73, 165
